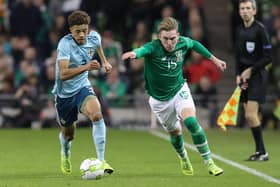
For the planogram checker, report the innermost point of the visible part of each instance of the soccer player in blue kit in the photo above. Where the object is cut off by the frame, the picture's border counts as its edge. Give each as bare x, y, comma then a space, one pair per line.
73, 91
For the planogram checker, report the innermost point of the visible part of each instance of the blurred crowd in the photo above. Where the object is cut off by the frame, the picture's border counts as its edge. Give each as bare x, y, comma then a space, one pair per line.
31, 29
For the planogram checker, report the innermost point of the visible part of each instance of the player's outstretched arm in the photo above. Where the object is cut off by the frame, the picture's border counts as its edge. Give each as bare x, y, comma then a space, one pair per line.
129, 55
199, 48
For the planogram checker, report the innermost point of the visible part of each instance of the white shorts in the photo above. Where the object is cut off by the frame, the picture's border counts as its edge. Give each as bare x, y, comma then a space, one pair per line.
168, 112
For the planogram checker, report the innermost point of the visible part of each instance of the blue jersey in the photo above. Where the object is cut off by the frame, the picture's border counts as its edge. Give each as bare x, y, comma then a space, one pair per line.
78, 55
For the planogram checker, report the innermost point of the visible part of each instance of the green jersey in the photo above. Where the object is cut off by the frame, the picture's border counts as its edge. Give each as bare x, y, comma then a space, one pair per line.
163, 70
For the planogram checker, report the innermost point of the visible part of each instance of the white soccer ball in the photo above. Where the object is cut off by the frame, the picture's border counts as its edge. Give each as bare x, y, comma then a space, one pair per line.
91, 168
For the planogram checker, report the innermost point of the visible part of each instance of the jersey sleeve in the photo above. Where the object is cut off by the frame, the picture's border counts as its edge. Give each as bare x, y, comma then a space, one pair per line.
95, 37
197, 47
144, 50
63, 50
266, 49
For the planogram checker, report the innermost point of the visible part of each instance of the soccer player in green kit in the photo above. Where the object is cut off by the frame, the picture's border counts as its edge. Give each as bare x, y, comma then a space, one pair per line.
170, 98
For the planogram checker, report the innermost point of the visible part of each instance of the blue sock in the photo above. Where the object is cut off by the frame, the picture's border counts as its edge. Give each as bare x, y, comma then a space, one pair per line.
65, 145
99, 138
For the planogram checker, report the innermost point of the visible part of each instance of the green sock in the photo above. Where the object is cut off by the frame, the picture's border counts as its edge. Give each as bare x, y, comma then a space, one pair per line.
178, 144
199, 137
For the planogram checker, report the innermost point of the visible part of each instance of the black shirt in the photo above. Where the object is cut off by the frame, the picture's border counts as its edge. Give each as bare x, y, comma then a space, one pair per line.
253, 48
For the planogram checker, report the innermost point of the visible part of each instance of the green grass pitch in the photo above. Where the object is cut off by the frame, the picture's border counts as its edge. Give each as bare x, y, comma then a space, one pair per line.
30, 158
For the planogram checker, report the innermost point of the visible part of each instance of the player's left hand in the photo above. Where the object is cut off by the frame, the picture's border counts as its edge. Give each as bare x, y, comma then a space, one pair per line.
108, 67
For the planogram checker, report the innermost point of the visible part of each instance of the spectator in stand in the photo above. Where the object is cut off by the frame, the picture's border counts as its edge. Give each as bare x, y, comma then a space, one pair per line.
5, 49
26, 69
27, 96
182, 14
113, 88
25, 20
139, 10
68, 6
235, 20
276, 37
7, 61
207, 94
91, 7
30, 55
48, 115
6, 75
3, 15
113, 49
192, 16
196, 25
116, 12
141, 35
51, 43
42, 36
136, 67
55, 8
200, 67
18, 45
58, 26
7, 86
48, 78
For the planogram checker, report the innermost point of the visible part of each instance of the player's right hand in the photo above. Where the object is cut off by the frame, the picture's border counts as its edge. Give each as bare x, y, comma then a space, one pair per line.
93, 65
129, 55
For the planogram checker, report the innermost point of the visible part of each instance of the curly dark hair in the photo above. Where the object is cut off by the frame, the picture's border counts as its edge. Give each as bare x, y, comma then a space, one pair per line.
78, 18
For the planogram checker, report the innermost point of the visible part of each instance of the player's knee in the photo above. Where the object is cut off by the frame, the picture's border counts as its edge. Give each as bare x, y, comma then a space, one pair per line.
95, 116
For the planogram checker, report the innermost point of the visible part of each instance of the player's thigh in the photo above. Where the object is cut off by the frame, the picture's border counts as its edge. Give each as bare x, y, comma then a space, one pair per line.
165, 113
91, 108
184, 103
88, 104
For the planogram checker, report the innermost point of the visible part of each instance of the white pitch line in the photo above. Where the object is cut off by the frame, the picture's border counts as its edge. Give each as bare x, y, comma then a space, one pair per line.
222, 159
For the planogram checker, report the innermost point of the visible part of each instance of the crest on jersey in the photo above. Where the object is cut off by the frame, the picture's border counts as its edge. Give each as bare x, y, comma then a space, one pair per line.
184, 94
250, 46
91, 52
179, 55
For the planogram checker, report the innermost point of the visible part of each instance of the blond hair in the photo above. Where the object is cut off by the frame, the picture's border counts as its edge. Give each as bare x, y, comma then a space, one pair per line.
168, 24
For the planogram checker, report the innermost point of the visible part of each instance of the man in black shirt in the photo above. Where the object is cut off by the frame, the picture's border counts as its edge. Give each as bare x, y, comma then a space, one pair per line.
253, 54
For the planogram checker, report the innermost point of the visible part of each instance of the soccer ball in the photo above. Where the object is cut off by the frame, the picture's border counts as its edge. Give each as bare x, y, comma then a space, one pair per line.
91, 168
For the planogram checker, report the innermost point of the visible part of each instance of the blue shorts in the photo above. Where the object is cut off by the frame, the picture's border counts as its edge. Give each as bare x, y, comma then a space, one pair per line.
67, 109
